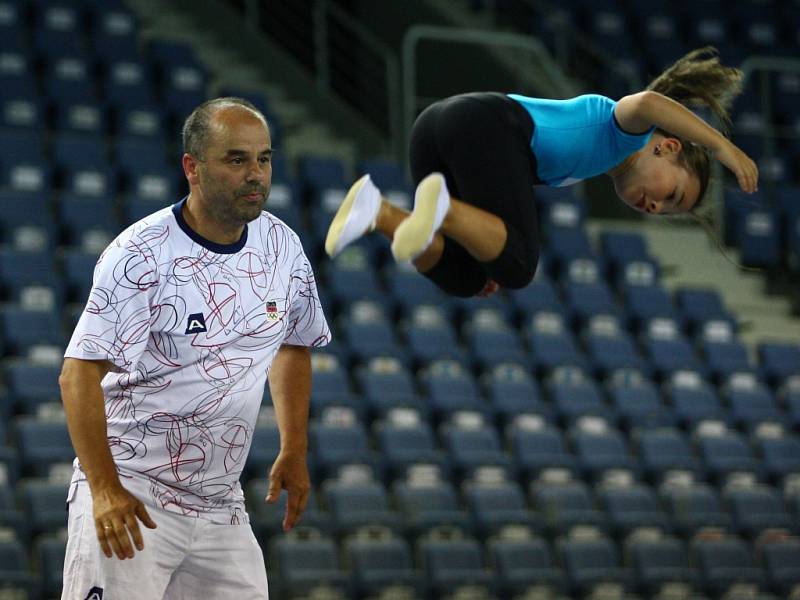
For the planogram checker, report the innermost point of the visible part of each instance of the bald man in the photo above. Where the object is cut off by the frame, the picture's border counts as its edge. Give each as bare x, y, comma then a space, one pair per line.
192, 311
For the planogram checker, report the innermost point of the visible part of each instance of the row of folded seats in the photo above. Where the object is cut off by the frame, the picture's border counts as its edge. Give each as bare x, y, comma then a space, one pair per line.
425, 533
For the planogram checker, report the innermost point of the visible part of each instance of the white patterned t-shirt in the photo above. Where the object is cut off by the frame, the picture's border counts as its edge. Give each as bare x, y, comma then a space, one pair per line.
192, 327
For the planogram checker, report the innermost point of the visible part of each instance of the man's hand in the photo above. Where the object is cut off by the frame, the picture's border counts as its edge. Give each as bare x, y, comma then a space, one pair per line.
116, 511
290, 472
740, 164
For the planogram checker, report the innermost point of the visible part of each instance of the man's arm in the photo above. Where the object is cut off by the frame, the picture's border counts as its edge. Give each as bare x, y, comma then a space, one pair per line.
290, 388
638, 112
115, 509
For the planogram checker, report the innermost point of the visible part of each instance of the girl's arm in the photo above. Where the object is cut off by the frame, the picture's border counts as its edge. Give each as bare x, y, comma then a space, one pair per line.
638, 112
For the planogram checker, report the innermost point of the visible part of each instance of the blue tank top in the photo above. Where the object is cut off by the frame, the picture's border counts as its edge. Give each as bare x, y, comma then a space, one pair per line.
577, 138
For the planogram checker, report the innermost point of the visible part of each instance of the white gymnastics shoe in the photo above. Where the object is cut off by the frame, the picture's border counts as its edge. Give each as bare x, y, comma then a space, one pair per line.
355, 217
431, 203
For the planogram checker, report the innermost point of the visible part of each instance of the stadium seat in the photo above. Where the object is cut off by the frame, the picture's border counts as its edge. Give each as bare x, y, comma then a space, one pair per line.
751, 402
470, 443
355, 504
430, 335
31, 384
386, 383
782, 565
755, 508
551, 343
660, 561
491, 339
564, 504
42, 443
21, 329
15, 569
522, 562
379, 563
694, 507
725, 452
267, 519
340, 442
724, 562
451, 563
637, 403
779, 452
450, 388
427, 504
539, 295
512, 392
610, 347
668, 349
591, 561
600, 448
537, 446
574, 395
305, 563
663, 451
693, 399
45, 505
350, 277
495, 505
405, 439
779, 361
49, 552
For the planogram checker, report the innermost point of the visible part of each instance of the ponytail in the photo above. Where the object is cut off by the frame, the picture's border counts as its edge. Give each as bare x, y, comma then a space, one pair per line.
699, 80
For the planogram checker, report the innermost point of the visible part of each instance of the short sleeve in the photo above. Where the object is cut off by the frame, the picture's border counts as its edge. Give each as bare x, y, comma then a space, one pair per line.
307, 325
115, 324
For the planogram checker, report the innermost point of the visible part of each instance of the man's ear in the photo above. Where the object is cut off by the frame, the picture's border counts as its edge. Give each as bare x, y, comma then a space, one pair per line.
190, 167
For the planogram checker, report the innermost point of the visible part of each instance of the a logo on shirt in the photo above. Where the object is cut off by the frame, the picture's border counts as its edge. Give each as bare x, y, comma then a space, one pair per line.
196, 323
272, 311
96, 593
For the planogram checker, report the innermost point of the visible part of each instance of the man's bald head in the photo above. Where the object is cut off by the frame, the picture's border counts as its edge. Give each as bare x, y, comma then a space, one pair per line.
198, 125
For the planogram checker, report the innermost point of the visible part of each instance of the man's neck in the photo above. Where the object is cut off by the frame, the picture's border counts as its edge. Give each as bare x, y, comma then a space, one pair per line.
204, 225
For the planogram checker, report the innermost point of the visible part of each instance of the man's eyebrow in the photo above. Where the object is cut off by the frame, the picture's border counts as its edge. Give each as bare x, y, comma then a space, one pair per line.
237, 152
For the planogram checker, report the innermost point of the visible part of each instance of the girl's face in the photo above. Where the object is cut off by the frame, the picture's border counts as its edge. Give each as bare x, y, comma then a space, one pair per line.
656, 182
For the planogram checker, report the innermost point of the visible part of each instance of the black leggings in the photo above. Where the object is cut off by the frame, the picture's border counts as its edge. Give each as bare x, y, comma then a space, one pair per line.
480, 142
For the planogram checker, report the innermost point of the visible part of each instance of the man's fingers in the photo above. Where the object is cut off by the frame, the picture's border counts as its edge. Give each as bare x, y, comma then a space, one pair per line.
295, 506
136, 534
274, 488
102, 538
145, 517
123, 539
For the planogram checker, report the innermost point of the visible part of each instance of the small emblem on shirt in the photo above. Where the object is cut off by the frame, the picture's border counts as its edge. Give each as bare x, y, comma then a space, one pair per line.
196, 323
272, 311
96, 593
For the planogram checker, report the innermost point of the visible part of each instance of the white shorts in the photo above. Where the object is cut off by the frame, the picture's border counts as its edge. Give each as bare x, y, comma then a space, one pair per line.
184, 558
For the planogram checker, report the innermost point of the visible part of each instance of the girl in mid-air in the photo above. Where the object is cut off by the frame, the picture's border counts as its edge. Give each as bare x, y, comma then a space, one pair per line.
475, 159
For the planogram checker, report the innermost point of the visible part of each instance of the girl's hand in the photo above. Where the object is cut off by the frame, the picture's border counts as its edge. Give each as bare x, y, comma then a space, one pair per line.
740, 164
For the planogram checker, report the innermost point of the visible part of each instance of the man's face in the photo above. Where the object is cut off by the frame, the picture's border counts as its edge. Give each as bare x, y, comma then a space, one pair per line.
235, 175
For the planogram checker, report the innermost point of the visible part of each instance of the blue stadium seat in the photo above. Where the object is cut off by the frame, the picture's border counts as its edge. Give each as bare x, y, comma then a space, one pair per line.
660, 561
537, 446
139, 155
470, 443
782, 565
113, 33
619, 247
405, 439
49, 552
450, 387
22, 146
68, 79
699, 305
725, 452
667, 348
318, 173
21, 329
387, 384
523, 562
408, 289
146, 121
610, 347
589, 562
637, 401
128, 84
368, 331
564, 504
305, 563
694, 507
751, 402
45, 505
30, 384
351, 277
264, 447
10, 516
357, 504
645, 303
41, 444
16, 73
453, 563
495, 505
722, 563
79, 151
428, 504
78, 213
430, 335
58, 28
779, 360
387, 174
756, 508
631, 507
379, 563
585, 300
491, 339
538, 295
599, 449
512, 391
20, 111
693, 399
759, 238
551, 343
15, 568
665, 450
336, 444
574, 395
780, 453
